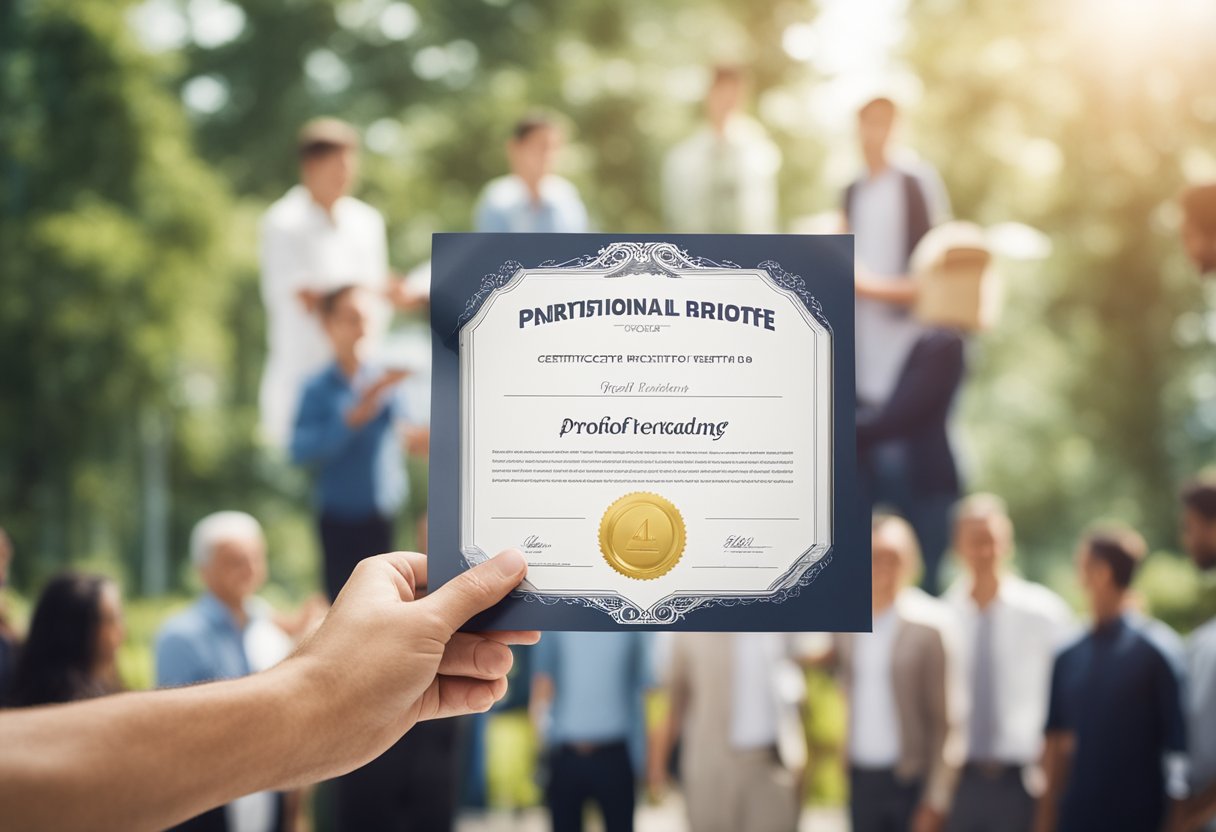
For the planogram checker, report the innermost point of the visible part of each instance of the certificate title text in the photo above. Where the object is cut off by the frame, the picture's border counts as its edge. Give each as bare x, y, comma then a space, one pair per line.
756, 316
607, 426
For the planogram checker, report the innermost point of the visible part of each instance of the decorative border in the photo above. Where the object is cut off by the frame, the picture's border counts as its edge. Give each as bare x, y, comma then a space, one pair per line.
635, 258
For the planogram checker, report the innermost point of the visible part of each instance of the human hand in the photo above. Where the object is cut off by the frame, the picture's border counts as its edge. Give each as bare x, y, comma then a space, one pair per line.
417, 440
386, 657
311, 299
927, 819
401, 295
370, 403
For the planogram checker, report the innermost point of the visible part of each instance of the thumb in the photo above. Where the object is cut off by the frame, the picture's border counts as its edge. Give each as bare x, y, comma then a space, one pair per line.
478, 589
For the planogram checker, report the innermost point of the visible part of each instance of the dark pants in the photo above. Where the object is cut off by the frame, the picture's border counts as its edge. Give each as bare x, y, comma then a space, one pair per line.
991, 801
216, 820
602, 773
346, 542
887, 483
880, 802
412, 786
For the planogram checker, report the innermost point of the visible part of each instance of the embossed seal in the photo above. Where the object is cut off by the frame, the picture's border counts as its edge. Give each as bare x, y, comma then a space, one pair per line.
642, 535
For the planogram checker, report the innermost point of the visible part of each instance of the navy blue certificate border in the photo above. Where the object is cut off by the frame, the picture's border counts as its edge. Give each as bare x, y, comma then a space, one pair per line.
466, 267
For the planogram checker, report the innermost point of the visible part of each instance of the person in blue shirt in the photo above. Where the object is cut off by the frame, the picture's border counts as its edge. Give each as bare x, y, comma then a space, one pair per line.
588, 700
226, 634
1116, 737
346, 430
532, 197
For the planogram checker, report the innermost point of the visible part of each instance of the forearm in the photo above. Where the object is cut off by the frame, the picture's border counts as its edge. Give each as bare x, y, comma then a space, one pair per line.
149, 760
1055, 761
899, 292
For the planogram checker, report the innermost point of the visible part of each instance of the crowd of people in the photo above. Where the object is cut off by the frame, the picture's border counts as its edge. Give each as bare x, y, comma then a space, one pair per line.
982, 706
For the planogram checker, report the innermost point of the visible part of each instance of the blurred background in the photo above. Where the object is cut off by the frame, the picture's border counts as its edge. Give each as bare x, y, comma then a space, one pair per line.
141, 141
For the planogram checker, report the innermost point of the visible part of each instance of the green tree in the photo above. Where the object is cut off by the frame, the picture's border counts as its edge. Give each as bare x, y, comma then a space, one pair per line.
114, 280
1082, 403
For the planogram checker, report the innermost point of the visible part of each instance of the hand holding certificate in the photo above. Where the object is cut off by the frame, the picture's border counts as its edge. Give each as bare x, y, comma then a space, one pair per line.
666, 435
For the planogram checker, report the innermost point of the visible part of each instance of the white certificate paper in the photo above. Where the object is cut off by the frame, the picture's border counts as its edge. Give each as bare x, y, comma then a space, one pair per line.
654, 430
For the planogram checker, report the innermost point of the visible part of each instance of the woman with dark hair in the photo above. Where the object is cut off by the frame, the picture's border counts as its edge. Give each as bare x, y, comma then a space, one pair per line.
72, 646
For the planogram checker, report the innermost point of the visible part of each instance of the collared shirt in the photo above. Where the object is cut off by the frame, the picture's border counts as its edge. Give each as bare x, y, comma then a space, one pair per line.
885, 332
1117, 691
204, 643
506, 204
360, 472
723, 183
303, 247
598, 683
873, 716
1030, 624
1201, 704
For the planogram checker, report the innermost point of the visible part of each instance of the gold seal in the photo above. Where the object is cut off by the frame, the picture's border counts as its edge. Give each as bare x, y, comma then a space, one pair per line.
642, 535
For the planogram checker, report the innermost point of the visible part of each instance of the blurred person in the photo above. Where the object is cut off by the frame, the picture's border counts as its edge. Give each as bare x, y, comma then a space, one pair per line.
1010, 631
1199, 541
345, 430
889, 208
343, 697
588, 694
314, 239
532, 197
227, 633
735, 710
1199, 226
71, 652
904, 727
723, 178
8, 633
1115, 731
909, 433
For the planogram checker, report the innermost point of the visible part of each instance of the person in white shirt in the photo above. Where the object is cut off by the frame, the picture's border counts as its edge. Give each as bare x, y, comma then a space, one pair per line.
532, 197
1009, 631
889, 208
314, 239
723, 178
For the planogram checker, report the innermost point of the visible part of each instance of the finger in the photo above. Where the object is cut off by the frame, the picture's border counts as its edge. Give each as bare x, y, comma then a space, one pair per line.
471, 655
512, 636
457, 695
411, 572
478, 589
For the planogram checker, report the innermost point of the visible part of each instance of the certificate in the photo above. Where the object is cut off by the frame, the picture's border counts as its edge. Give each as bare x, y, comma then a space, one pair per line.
663, 425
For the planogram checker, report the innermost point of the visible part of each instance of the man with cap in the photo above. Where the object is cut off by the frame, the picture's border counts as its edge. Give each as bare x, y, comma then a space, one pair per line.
314, 239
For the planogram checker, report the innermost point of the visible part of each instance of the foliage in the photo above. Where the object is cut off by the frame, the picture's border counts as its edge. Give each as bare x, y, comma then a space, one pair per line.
131, 199
1088, 400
